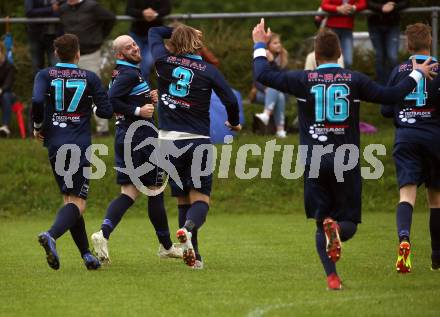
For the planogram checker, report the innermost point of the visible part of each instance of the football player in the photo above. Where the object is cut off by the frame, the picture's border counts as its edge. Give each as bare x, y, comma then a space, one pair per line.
185, 84
328, 109
416, 150
131, 99
62, 102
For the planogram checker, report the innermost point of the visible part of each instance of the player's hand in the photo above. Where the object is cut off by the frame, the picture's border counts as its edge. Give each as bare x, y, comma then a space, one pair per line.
154, 96
38, 135
146, 111
259, 34
235, 128
425, 68
150, 14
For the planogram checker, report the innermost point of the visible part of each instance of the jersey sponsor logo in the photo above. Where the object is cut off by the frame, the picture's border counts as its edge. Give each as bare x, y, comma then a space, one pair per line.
320, 131
174, 103
62, 120
410, 115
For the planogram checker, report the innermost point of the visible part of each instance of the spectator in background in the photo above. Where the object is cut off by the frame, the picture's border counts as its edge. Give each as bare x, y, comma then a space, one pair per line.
7, 78
92, 23
41, 35
148, 13
274, 100
343, 23
384, 29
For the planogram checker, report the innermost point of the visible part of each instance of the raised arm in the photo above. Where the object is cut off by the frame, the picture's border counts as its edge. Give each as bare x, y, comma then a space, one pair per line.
102, 107
387, 110
289, 82
156, 35
264, 73
373, 92
227, 96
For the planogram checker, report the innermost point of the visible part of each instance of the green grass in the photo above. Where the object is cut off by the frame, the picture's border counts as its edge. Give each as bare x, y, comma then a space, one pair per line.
257, 245
256, 265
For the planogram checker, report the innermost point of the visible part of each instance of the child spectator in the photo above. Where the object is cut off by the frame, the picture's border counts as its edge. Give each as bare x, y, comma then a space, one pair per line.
7, 78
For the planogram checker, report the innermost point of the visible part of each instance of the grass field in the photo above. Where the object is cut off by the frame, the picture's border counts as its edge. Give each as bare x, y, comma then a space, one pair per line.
263, 265
257, 246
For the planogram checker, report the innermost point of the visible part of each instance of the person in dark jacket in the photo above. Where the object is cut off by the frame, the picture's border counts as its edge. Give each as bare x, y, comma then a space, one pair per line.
92, 23
148, 13
42, 35
384, 29
7, 78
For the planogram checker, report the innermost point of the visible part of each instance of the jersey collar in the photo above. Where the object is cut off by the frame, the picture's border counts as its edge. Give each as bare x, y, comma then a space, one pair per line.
193, 56
423, 57
329, 65
121, 62
66, 65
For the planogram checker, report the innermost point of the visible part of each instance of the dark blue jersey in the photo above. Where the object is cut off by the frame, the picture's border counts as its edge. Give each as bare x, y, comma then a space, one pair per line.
328, 98
185, 86
128, 93
62, 102
417, 117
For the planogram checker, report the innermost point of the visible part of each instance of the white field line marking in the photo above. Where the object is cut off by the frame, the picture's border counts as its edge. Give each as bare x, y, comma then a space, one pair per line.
261, 311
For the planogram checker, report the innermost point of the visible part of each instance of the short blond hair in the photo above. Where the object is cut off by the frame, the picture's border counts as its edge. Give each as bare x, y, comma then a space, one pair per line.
185, 40
418, 36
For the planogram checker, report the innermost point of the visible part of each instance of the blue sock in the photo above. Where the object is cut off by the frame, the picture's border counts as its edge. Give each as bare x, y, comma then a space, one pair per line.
196, 215
347, 229
434, 228
115, 211
329, 266
79, 235
403, 220
158, 217
66, 218
183, 210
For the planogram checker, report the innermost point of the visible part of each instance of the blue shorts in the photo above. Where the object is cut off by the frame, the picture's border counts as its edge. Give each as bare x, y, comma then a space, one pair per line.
192, 159
80, 184
325, 197
154, 177
417, 164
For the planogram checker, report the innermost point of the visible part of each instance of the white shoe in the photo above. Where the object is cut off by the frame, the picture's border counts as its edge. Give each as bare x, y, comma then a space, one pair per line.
198, 265
100, 247
174, 252
281, 134
4, 131
189, 256
263, 118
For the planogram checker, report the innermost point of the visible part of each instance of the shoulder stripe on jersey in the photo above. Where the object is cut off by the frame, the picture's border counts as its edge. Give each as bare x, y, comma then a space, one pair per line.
66, 65
193, 56
423, 57
141, 87
329, 65
125, 63
303, 100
